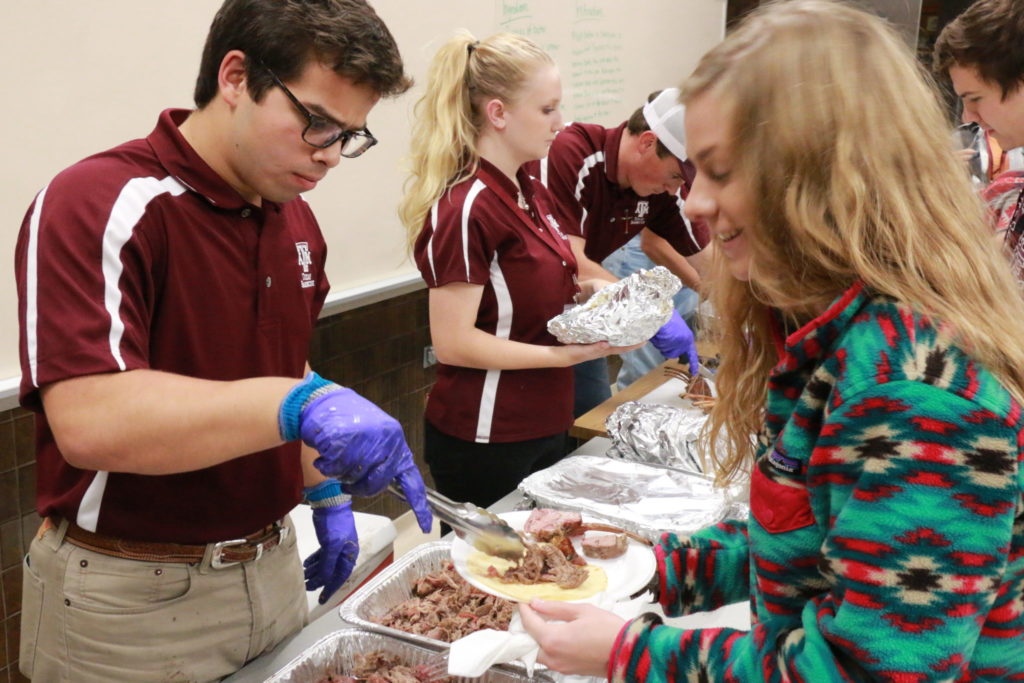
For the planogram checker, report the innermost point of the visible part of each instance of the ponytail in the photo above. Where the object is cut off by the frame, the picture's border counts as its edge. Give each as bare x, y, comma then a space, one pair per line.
464, 74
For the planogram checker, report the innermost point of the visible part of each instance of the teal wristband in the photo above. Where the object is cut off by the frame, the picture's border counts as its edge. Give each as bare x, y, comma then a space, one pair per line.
289, 418
325, 489
327, 493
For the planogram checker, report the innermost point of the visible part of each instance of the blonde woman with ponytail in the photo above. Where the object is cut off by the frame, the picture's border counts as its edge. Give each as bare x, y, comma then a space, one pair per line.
874, 341
498, 267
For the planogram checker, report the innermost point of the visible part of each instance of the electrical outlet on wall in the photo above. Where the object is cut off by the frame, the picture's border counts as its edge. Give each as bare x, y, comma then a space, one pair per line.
428, 356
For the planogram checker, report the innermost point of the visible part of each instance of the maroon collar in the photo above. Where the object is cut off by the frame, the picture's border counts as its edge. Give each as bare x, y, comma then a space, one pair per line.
612, 139
185, 164
507, 191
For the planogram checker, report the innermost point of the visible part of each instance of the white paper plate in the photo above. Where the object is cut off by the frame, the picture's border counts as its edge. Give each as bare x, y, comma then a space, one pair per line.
627, 573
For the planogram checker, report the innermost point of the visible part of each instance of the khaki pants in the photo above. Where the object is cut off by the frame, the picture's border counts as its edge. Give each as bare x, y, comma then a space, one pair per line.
91, 617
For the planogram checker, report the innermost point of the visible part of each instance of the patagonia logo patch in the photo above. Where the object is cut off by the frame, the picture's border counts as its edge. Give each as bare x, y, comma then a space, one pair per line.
784, 462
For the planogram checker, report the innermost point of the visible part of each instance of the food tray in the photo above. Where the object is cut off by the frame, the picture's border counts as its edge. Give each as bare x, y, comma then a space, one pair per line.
394, 585
334, 653
646, 498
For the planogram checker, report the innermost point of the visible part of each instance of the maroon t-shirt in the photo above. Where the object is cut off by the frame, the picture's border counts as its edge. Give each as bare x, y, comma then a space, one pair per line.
143, 257
478, 233
580, 172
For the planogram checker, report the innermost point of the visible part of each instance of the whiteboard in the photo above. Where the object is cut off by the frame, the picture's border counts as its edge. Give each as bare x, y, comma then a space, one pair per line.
85, 76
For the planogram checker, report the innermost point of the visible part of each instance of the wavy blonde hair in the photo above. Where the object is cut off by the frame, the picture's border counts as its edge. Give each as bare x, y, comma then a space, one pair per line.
464, 74
848, 157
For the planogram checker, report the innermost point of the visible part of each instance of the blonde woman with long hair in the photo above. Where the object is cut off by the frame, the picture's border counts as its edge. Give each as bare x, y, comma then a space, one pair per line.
874, 341
497, 265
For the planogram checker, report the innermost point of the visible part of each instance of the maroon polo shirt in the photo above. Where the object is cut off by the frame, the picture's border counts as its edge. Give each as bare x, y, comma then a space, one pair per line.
580, 172
478, 233
143, 257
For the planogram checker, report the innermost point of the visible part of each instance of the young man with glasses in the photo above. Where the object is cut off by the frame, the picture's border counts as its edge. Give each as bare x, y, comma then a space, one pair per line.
168, 292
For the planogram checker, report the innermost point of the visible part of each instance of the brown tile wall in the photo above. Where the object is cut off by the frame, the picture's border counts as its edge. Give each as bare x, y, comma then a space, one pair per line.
377, 350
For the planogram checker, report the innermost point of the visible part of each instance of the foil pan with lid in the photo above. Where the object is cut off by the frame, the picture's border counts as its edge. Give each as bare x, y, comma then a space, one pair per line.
624, 313
335, 654
646, 498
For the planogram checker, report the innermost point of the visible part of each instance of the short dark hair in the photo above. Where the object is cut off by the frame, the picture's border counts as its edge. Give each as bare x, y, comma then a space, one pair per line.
285, 35
988, 36
638, 124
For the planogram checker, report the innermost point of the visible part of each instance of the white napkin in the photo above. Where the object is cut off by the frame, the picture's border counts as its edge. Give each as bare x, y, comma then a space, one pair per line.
472, 655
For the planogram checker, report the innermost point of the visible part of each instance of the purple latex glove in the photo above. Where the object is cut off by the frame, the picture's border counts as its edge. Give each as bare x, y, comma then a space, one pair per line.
364, 447
329, 566
675, 340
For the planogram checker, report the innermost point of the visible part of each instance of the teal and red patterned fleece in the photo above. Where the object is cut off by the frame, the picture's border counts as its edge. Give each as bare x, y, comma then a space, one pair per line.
886, 537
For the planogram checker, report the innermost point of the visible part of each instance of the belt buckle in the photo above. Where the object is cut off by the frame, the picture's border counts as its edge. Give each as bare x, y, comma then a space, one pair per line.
217, 562
218, 550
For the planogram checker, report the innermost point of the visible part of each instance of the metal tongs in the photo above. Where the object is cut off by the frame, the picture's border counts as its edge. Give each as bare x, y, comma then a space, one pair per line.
481, 528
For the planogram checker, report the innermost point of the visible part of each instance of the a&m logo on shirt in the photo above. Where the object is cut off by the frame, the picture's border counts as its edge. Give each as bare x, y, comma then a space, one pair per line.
554, 226
305, 260
642, 208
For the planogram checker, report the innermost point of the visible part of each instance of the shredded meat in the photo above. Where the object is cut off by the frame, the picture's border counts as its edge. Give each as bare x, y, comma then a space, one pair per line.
546, 563
381, 667
444, 607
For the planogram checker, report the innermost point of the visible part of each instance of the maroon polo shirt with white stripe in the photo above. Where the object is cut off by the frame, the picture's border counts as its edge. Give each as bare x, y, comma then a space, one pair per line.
478, 232
580, 173
143, 257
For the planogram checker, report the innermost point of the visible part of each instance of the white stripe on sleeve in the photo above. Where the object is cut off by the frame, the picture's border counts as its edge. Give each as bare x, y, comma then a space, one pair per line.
31, 289
681, 205
581, 180
467, 207
124, 216
430, 242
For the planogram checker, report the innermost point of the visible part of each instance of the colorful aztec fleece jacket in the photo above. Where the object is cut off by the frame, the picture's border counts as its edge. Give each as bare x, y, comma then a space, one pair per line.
886, 537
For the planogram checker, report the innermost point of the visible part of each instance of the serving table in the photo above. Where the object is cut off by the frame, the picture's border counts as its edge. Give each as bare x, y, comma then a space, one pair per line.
736, 615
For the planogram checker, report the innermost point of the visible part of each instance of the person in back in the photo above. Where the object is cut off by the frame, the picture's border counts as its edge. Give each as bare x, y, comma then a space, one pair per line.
497, 264
982, 53
610, 184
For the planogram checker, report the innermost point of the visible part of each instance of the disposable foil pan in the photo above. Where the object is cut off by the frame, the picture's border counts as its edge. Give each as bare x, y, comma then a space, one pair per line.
335, 654
392, 586
646, 498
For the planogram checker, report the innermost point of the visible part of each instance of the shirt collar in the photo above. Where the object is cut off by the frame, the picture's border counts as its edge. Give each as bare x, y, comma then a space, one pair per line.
612, 138
813, 341
184, 163
494, 177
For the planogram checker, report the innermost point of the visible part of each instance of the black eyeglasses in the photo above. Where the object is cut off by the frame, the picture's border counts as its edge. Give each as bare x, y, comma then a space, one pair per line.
322, 133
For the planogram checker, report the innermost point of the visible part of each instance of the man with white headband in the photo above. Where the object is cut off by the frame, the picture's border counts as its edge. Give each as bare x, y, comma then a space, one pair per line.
611, 184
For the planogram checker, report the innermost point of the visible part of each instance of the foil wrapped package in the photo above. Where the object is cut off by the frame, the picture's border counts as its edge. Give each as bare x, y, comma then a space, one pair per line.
657, 433
646, 498
624, 313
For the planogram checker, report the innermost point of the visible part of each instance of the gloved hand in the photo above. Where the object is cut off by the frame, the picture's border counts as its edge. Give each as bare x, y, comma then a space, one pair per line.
335, 527
675, 340
358, 442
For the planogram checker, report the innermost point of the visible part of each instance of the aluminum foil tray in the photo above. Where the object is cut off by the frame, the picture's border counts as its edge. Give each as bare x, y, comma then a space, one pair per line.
646, 498
334, 654
394, 585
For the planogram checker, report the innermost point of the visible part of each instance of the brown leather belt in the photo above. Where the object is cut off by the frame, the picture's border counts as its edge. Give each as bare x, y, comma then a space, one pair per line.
222, 553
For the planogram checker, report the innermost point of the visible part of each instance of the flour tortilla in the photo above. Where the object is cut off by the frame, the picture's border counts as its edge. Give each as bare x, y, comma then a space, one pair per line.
478, 563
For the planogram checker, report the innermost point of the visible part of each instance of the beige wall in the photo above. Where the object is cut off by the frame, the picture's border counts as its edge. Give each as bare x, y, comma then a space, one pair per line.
84, 76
